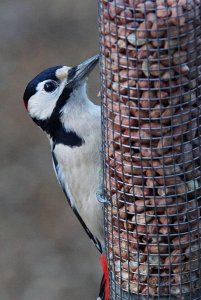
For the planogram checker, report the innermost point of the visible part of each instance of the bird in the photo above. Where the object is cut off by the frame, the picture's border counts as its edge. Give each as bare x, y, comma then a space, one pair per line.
57, 101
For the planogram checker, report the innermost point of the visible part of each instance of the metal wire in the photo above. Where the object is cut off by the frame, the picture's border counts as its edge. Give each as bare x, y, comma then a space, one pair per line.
151, 99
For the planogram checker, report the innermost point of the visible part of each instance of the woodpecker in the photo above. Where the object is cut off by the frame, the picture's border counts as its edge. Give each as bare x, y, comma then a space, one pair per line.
57, 101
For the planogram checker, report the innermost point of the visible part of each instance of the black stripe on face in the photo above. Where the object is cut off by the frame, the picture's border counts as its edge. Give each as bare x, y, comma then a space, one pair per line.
71, 73
55, 128
63, 99
66, 93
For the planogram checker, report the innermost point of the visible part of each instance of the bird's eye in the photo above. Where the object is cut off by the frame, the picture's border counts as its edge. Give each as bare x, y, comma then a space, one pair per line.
50, 86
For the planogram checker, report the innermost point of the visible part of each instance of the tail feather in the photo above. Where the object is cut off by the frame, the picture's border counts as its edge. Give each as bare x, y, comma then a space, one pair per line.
104, 287
101, 295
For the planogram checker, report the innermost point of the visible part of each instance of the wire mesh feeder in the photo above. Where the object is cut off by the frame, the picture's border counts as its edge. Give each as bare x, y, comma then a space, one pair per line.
151, 92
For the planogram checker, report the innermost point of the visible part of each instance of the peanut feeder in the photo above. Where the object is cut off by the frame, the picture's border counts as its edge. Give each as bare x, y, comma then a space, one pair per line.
150, 86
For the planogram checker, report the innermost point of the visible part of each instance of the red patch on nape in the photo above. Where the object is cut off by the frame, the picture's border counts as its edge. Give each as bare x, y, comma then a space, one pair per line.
103, 262
25, 104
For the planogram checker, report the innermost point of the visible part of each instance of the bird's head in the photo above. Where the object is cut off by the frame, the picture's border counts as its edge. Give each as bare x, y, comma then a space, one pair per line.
47, 95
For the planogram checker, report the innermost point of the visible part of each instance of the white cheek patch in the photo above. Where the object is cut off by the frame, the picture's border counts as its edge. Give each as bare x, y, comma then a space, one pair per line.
42, 103
40, 106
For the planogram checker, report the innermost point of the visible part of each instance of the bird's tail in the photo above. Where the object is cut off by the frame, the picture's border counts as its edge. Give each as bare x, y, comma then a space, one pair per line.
104, 287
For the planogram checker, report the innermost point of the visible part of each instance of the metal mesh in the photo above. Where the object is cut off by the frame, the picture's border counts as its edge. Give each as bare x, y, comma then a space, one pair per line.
151, 92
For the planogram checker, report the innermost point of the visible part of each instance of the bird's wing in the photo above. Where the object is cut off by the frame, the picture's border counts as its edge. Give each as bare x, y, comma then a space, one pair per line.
71, 203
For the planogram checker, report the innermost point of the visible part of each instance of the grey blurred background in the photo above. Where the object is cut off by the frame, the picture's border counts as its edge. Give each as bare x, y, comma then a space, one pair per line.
44, 253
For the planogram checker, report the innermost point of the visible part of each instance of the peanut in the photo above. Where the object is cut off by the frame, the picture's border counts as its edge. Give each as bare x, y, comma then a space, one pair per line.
174, 259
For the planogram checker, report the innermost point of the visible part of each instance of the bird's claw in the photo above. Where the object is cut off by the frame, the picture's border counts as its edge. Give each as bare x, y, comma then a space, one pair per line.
100, 197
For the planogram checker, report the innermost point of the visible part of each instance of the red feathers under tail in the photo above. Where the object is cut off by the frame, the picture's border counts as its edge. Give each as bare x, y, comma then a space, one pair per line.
105, 280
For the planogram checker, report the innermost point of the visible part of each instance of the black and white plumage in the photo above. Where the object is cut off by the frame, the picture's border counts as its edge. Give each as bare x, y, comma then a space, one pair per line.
57, 101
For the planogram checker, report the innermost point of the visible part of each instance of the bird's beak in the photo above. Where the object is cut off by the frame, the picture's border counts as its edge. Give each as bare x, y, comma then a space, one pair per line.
86, 67
83, 69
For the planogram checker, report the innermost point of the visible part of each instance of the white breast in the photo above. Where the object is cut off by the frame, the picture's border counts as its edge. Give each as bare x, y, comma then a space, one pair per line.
79, 173
79, 170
